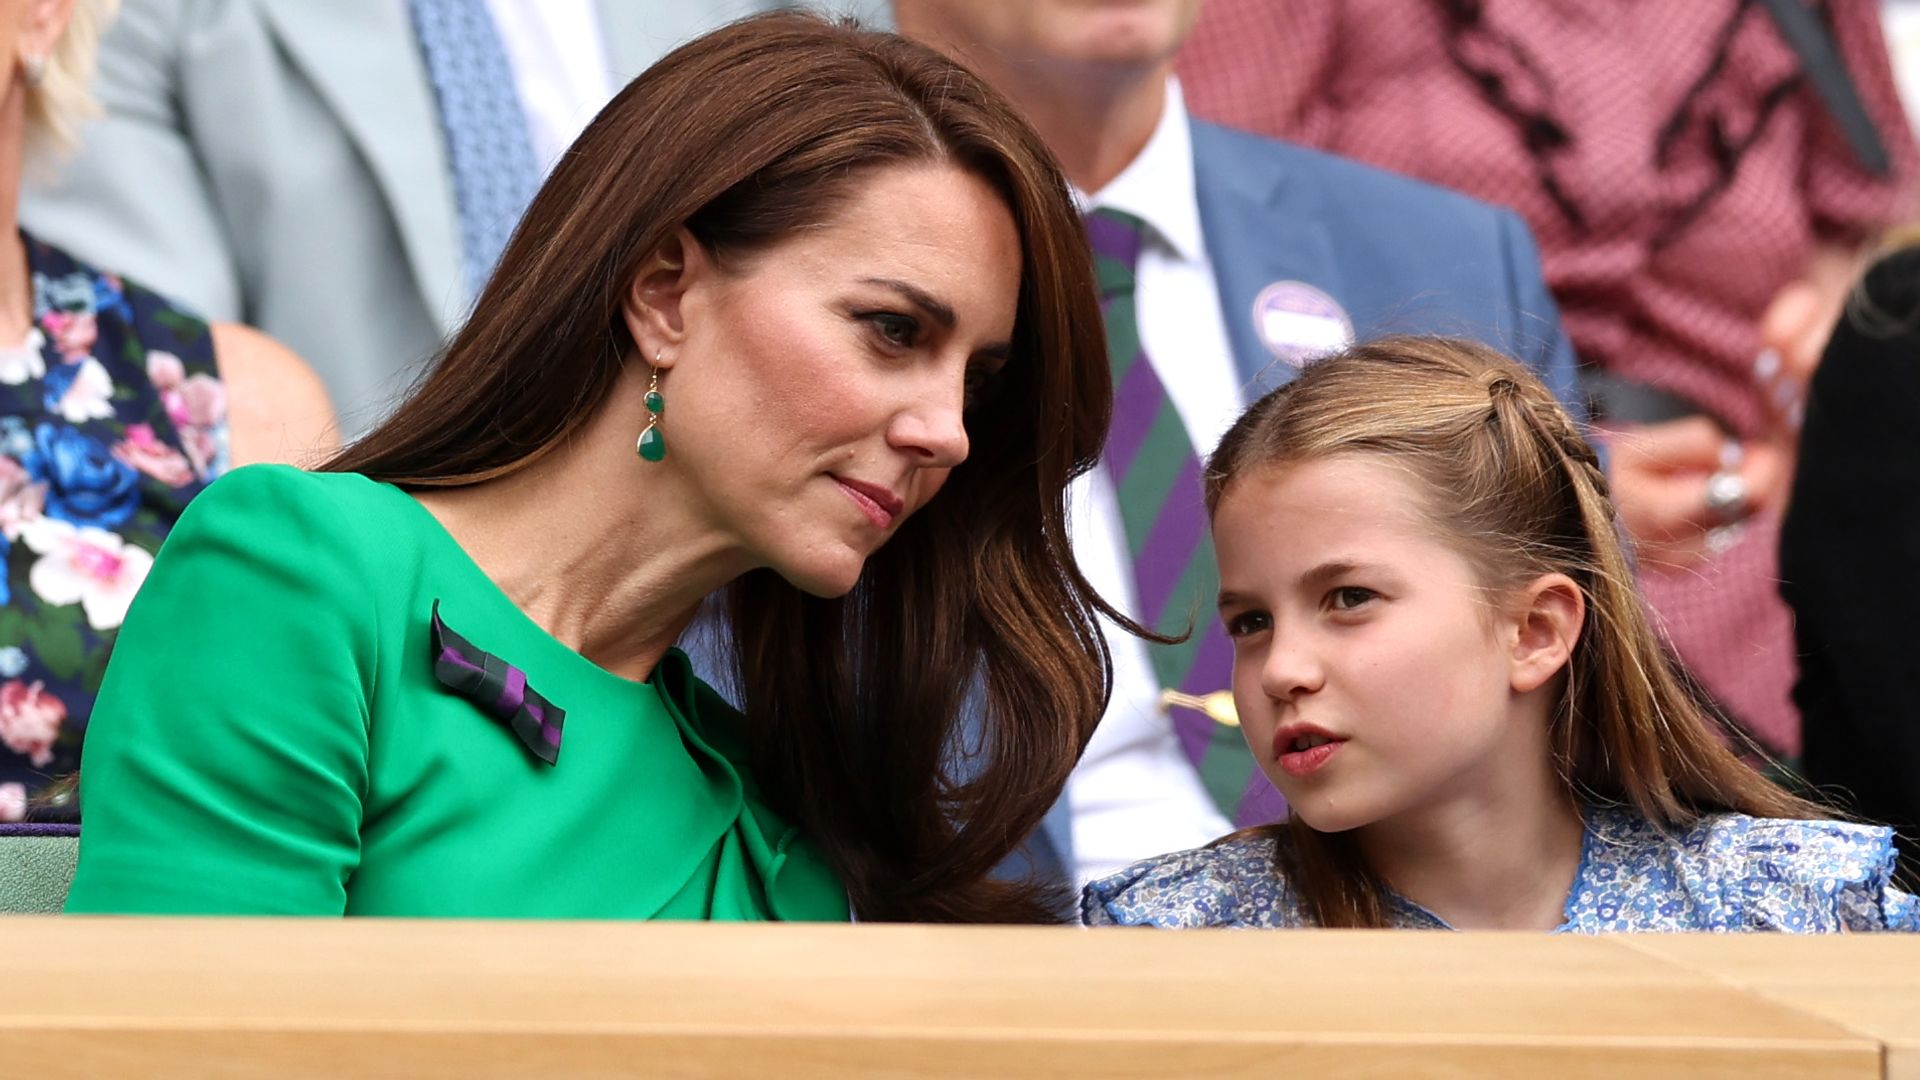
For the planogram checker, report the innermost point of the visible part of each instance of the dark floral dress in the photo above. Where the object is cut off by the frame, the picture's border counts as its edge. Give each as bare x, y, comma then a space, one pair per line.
112, 417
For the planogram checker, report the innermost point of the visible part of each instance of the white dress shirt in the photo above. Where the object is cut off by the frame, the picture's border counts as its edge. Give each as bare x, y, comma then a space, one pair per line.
1134, 794
559, 64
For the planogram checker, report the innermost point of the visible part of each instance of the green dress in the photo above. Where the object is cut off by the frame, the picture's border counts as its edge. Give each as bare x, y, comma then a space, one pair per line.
272, 739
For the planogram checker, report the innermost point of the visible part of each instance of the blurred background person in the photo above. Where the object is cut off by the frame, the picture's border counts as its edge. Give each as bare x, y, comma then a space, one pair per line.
1701, 176
1848, 549
1226, 261
116, 407
341, 174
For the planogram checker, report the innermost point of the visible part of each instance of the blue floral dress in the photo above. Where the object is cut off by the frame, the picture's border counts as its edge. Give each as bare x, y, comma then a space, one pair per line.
112, 417
1728, 872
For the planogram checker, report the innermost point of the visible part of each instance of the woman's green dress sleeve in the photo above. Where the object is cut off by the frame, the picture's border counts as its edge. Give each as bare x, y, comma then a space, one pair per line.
225, 764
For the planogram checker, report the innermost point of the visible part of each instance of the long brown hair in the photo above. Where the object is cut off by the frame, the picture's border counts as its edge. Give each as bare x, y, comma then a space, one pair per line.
858, 705
1518, 491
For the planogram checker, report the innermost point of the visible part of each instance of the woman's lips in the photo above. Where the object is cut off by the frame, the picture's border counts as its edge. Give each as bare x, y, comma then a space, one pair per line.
880, 505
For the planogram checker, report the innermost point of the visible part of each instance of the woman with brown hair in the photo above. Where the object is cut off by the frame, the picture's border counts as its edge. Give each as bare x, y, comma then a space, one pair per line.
1441, 660
806, 314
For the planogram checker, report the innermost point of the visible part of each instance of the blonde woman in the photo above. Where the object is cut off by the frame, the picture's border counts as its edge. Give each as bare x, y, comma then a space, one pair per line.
116, 408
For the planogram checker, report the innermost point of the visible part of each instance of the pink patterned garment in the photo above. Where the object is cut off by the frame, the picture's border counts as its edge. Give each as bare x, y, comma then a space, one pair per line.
1661, 262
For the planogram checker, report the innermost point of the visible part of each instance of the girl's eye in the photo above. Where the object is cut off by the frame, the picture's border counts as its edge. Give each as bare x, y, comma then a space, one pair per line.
1247, 623
896, 330
1349, 597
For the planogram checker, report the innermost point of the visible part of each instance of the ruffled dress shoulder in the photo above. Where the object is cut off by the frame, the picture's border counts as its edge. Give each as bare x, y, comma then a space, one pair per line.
1231, 883
1731, 872
1725, 873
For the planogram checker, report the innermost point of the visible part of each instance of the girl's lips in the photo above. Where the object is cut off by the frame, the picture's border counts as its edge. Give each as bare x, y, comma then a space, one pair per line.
1301, 764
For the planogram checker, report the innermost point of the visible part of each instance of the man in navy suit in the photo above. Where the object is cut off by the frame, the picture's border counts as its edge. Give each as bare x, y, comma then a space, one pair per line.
1241, 258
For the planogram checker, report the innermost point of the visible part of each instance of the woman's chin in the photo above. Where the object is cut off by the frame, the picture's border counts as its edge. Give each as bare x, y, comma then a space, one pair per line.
827, 581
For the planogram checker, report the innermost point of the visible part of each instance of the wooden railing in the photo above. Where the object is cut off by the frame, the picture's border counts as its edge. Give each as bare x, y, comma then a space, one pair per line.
106, 997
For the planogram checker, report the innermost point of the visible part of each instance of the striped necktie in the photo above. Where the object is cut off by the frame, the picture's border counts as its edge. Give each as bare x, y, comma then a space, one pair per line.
488, 148
1157, 477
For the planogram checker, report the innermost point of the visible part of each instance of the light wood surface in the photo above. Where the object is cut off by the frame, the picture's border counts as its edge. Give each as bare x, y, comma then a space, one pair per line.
1868, 983
219, 998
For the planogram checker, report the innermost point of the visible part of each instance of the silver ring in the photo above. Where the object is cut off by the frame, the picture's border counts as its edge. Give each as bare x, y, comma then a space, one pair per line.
1727, 496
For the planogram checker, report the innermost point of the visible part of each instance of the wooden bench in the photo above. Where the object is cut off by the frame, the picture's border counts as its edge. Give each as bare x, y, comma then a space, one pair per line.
299, 998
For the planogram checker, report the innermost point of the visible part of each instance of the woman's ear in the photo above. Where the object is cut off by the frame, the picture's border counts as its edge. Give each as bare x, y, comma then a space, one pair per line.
657, 303
40, 30
1548, 616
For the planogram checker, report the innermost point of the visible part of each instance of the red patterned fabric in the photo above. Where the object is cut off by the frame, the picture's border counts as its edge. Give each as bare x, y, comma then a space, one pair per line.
1662, 267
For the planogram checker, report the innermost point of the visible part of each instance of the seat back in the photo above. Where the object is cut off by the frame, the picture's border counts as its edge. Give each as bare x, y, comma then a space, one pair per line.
36, 867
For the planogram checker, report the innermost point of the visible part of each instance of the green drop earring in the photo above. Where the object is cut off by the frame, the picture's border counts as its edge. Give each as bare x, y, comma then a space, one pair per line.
653, 445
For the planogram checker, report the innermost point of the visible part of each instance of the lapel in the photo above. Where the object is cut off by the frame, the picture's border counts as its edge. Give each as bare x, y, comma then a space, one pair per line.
1263, 225
359, 55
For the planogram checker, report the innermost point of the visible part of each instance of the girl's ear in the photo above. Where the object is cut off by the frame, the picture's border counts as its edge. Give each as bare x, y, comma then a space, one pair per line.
656, 308
1548, 616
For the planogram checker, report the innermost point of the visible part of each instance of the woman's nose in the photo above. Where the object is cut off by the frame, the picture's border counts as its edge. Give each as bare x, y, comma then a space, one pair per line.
934, 430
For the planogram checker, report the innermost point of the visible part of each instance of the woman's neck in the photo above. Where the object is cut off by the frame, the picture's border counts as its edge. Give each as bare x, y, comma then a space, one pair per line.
600, 549
16, 292
1501, 854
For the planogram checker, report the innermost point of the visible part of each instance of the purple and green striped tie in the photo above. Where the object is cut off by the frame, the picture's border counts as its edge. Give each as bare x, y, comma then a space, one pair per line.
1157, 476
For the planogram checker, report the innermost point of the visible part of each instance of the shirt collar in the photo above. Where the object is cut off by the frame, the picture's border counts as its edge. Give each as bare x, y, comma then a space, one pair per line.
1157, 186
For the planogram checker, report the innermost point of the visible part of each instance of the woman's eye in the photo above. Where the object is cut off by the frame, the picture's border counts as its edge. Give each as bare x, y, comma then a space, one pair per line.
1348, 597
1247, 623
897, 330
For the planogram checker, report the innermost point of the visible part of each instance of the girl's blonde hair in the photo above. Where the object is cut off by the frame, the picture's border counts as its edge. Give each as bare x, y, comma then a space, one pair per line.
1519, 492
62, 100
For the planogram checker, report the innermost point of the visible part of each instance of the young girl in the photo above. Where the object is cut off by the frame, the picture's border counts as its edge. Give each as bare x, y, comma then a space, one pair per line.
1441, 662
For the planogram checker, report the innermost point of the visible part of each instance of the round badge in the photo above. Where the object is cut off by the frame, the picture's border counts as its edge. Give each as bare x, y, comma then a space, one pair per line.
1298, 323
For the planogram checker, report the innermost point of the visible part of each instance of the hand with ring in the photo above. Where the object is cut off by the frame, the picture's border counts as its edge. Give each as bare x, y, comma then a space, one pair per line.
1726, 495
1682, 485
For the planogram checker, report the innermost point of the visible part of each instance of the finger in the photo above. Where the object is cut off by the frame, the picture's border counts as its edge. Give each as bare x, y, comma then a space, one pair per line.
1663, 525
1663, 508
1793, 310
1804, 356
1689, 444
1768, 471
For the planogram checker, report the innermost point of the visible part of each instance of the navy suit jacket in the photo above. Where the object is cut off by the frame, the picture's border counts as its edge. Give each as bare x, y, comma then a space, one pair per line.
1399, 255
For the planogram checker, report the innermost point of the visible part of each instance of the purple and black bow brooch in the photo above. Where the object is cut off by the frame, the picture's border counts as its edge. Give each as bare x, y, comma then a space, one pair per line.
499, 688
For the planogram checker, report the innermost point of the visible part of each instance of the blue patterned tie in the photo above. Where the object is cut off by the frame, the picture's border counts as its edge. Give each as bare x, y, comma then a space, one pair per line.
488, 147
